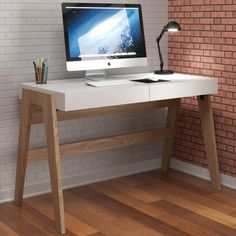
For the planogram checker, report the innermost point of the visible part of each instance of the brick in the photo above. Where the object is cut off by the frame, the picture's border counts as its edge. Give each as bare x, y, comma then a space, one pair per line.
214, 54
211, 28
228, 8
207, 8
218, 14
229, 61
218, 27
218, 2
217, 40
228, 21
206, 21
217, 67
231, 48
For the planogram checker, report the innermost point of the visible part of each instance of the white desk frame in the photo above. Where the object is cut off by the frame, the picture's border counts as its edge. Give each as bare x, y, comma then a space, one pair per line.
60, 100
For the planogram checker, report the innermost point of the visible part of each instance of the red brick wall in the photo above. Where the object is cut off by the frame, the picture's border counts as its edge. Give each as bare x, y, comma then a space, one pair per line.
206, 46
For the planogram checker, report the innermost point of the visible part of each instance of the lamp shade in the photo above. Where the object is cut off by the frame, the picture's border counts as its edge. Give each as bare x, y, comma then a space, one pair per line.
172, 26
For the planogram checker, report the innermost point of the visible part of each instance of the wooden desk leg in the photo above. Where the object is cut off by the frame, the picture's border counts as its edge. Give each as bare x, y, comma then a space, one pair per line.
208, 131
51, 131
23, 143
169, 142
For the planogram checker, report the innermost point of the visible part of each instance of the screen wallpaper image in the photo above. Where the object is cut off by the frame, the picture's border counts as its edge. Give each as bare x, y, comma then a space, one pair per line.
104, 32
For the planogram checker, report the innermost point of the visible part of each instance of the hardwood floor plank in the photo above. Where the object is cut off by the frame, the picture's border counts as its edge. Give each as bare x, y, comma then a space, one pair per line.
191, 205
108, 189
201, 186
80, 211
185, 225
196, 183
96, 234
145, 204
223, 199
131, 182
43, 204
6, 231
19, 221
135, 192
132, 227
182, 221
92, 204
166, 184
198, 208
200, 221
43, 222
181, 224
138, 210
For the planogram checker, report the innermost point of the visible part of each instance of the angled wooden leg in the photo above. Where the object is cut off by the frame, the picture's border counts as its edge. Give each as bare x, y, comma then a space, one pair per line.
23, 144
51, 130
168, 143
208, 131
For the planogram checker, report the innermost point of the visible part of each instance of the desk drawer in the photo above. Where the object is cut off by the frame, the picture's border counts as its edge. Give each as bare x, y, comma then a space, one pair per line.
104, 97
178, 89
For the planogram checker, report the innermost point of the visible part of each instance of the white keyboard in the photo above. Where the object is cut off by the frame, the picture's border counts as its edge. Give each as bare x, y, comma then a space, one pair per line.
109, 82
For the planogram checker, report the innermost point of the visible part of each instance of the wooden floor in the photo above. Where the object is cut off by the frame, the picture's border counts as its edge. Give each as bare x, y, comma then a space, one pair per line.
147, 204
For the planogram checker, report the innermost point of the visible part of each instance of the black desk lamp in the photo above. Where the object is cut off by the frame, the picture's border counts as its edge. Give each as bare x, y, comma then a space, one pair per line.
172, 26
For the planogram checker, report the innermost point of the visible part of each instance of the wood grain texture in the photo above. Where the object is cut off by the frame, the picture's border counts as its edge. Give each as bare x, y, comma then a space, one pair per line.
150, 203
169, 141
52, 140
47, 103
5, 230
101, 144
23, 144
208, 130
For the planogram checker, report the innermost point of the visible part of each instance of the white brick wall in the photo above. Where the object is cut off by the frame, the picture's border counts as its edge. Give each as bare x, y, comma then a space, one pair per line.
31, 29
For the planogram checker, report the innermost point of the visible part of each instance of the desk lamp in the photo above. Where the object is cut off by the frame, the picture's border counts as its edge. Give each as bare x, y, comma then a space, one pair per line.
172, 26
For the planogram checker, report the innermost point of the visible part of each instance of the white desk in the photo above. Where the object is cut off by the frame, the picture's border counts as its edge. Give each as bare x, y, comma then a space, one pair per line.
73, 99
76, 95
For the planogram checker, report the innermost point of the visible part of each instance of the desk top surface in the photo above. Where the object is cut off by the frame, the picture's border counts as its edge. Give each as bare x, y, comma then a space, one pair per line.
74, 94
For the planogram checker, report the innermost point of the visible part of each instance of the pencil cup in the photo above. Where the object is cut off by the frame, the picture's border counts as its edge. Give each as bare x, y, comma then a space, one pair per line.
41, 75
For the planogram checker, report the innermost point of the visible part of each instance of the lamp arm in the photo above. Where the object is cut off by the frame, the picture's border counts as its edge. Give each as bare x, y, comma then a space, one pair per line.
159, 48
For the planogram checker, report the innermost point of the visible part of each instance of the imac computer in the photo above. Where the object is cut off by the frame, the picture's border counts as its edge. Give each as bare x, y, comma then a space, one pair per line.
103, 36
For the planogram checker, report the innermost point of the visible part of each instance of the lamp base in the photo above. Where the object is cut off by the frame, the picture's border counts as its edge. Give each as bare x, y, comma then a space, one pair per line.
163, 72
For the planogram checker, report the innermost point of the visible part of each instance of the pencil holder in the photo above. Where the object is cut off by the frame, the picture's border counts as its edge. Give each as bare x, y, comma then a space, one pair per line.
41, 75
41, 70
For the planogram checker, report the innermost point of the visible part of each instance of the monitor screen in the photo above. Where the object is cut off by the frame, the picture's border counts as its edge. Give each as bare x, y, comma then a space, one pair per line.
103, 32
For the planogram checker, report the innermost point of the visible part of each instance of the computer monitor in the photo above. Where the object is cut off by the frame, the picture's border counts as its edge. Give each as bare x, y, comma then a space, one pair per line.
103, 36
